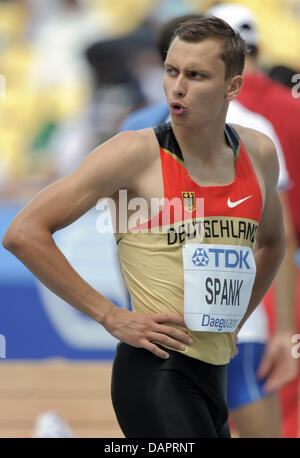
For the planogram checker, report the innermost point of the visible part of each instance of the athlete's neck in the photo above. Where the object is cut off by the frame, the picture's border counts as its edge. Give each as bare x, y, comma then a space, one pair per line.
206, 142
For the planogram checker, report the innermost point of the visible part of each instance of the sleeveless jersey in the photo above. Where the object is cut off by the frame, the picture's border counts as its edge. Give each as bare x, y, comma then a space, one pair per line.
198, 262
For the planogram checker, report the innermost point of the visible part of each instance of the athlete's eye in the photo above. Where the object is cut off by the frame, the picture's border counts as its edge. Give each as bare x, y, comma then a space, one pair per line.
196, 75
171, 71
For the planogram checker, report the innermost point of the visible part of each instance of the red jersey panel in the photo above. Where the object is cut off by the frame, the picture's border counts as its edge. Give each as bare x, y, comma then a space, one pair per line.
242, 198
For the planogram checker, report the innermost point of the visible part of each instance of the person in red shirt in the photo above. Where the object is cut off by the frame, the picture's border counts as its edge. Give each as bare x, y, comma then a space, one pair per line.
276, 103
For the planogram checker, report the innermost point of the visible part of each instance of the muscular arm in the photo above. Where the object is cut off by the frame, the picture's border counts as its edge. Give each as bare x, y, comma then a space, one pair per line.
277, 366
29, 237
270, 242
115, 164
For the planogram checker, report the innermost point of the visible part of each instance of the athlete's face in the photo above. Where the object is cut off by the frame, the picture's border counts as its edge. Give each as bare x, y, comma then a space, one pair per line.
195, 79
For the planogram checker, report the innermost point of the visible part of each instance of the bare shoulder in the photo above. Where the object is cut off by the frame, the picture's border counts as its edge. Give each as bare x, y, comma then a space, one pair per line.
257, 144
261, 150
130, 145
136, 138
114, 164
121, 159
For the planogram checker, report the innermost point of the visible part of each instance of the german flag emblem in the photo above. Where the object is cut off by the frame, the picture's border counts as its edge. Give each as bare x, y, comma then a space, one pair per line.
189, 202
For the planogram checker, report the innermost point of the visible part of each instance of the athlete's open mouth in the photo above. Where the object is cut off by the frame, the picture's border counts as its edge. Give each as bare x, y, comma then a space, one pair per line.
177, 108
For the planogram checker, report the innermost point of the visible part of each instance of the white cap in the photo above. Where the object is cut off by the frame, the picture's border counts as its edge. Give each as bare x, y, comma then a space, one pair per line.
239, 18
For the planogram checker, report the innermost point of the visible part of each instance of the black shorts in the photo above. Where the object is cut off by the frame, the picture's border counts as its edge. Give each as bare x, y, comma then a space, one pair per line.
177, 397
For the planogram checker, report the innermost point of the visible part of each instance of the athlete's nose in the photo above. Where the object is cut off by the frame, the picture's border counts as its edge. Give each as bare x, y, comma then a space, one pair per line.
179, 87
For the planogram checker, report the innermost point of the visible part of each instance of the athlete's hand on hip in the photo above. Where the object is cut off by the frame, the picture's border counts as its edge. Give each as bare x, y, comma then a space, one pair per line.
143, 329
278, 365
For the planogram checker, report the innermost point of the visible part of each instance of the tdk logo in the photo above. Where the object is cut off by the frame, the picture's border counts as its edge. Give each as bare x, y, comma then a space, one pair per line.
219, 257
200, 258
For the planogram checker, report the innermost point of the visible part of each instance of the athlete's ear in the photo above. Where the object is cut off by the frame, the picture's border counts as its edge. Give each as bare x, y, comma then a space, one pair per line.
234, 87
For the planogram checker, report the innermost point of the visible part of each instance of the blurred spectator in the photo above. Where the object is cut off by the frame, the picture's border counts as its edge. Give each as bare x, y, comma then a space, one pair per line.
62, 100
116, 92
47, 79
60, 41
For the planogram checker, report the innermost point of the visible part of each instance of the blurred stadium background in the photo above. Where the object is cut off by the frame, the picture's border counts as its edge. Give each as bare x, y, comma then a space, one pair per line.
71, 70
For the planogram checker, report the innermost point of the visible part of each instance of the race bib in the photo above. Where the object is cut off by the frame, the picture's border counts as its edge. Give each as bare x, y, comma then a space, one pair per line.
218, 281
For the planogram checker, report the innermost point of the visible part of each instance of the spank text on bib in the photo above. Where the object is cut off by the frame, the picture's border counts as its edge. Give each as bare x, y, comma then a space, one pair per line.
218, 282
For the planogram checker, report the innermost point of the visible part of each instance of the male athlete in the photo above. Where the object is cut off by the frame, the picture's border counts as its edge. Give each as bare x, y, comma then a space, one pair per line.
251, 399
194, 282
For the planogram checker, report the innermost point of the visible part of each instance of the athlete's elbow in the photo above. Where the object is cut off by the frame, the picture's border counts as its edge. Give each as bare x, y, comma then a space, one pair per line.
15, 238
